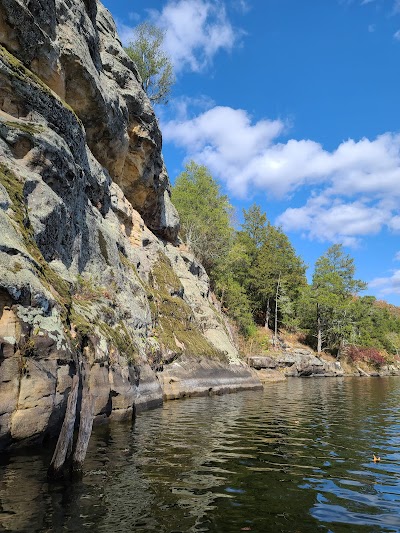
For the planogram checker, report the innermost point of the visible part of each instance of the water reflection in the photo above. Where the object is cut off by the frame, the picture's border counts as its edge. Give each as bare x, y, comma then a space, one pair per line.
296, 457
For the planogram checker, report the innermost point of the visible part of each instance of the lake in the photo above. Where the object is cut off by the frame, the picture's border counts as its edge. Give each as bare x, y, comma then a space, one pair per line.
296, 457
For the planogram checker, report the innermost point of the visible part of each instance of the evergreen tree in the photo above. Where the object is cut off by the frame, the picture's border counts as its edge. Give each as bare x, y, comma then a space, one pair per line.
255, 226
205, 214
332, 295
276, 264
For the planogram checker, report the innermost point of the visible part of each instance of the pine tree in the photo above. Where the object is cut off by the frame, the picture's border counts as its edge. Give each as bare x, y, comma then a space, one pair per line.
332, 293
205, 214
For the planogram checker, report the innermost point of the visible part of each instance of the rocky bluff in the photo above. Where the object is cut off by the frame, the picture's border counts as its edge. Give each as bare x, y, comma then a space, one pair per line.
93, 281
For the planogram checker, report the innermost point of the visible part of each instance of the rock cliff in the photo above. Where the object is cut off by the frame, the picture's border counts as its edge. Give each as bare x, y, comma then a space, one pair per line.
92, 276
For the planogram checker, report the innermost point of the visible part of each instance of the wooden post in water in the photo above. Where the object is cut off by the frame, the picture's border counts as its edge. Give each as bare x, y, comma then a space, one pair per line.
85, 429
65, 439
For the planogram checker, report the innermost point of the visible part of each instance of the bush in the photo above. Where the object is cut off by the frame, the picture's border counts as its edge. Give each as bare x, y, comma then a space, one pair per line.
371, 356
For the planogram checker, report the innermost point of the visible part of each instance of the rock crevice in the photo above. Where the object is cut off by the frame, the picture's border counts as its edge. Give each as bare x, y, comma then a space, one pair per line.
91, 271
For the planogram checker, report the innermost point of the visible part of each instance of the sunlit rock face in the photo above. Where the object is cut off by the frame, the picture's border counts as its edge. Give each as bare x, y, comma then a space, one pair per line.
91, 272
73, 48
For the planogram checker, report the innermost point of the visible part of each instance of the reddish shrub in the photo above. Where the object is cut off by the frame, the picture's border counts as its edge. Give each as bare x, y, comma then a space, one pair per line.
371, 356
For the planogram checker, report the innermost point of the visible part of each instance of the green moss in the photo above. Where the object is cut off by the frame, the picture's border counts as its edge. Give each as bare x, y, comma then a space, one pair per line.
177, 330
82, 325
175, 326
164, 277
14, 188
119, 337
22, 73
25, 127
87, 290
54, 283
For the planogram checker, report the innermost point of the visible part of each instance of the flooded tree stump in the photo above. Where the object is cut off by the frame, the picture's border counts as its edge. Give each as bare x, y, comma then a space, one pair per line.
85, 430
65, 439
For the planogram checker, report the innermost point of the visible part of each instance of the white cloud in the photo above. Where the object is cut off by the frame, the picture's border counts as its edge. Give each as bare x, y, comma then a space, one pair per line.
246, 154
372, 28
358, 182
195, 31
133, 16
395, 223
396, 35
386, 285
397, 256
324, 218
242, 6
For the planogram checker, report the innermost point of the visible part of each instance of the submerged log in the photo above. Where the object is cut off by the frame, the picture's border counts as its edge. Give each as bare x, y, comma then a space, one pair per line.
85, 430
362, 372
65, 439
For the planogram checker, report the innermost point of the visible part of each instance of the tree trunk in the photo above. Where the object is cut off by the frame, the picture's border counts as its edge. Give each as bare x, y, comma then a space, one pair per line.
319, 331
276, 310
64, 443
85, 429
267, 313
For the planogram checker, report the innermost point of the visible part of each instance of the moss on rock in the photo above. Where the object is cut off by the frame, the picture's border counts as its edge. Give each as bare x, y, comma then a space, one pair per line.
52, 281
175, 325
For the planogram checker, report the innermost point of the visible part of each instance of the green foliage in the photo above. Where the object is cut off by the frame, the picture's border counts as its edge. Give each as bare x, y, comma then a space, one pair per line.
277, 260
154, 66
236, 303
204, 213
332, 296
254, 226
28, 349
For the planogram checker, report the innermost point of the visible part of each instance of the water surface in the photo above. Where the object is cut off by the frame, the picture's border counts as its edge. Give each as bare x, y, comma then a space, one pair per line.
294, 458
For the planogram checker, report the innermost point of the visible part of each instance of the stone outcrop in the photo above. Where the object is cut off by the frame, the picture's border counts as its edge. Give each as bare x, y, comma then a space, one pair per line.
91, 271
297, 363
194, 377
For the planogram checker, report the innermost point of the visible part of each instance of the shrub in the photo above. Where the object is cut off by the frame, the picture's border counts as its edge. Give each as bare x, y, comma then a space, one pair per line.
371, 356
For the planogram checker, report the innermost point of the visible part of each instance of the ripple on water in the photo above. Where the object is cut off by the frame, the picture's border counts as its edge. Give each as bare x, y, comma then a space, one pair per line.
296, 457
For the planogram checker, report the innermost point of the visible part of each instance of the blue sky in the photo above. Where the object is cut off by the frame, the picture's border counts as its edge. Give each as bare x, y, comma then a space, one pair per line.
293, 105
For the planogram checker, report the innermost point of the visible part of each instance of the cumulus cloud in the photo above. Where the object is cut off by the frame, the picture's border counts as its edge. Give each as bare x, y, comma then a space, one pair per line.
246, 154
357, 184
324, 218
386, 285
195, 31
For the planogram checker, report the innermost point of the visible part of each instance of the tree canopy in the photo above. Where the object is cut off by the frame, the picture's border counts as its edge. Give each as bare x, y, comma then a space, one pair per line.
153, 64
205, 214
333, 292
259, 278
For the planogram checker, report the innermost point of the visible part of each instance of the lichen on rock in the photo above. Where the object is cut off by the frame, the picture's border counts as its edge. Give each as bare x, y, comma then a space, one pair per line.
91, 273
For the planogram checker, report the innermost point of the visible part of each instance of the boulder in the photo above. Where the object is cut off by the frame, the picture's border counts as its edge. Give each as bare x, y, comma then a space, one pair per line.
259, 362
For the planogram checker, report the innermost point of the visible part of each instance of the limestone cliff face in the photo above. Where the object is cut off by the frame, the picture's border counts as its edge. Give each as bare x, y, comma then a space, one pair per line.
91, 274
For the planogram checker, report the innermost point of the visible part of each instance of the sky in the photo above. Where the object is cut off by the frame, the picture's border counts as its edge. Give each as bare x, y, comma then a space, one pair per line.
293, 105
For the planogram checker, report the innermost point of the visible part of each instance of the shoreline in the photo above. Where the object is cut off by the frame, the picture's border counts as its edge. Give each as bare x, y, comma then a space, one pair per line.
187, 378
